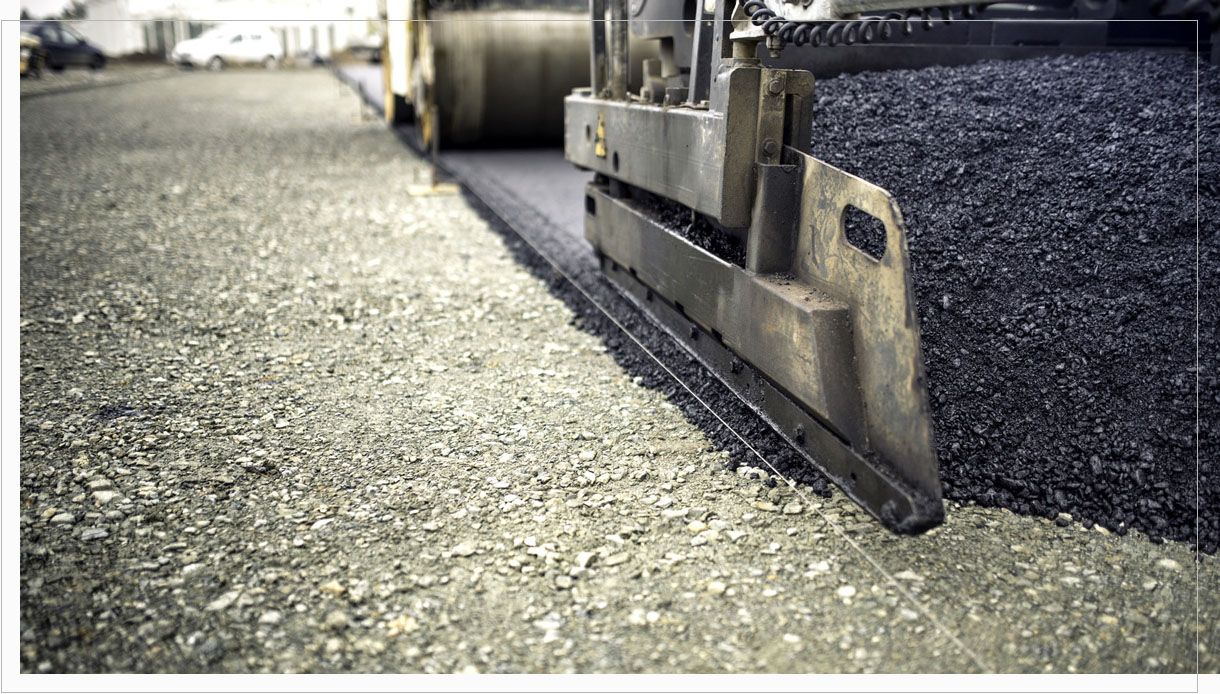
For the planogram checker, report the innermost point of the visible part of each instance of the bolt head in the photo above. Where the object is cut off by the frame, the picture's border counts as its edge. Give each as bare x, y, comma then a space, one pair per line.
770, 147
775, 87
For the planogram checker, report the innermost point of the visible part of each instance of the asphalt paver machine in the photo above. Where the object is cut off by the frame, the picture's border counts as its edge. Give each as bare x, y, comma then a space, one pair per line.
786, 277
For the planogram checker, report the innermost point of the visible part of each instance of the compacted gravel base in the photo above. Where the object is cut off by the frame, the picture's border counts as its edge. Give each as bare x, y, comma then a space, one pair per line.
279, 416
1050, 206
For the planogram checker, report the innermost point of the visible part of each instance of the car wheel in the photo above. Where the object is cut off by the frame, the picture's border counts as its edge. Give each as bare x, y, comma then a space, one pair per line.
216, 63
97, 63
270, 62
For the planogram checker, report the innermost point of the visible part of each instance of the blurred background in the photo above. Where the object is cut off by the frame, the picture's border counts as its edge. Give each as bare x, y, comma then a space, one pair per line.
310, 31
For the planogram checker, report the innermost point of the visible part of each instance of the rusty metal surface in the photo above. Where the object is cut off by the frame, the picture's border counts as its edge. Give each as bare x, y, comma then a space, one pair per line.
703, 158
795, 334
787, 348
889, 363
677, 153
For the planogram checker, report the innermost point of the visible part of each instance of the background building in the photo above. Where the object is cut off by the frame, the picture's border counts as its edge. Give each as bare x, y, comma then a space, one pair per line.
305, 27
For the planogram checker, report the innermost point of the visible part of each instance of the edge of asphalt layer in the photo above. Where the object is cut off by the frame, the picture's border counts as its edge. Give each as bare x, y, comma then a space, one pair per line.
523, 228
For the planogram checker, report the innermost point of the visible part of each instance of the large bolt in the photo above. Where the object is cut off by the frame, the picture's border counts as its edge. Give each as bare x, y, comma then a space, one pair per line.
770, 147
775, 44
775, 87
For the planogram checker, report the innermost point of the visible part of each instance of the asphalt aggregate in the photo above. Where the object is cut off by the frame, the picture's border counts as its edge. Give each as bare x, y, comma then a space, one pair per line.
280, 415
1051, 215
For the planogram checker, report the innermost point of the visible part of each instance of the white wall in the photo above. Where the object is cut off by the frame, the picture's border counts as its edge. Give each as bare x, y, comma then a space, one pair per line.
301, 20
113, 37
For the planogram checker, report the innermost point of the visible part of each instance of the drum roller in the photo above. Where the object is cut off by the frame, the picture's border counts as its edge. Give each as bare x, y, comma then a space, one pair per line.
499, 76
480, 75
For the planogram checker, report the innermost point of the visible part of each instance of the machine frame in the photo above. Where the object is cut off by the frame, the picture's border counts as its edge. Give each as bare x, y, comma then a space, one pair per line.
817, 335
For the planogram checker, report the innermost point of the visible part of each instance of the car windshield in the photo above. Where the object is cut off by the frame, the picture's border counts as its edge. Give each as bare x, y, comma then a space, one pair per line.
212, 34
50, 32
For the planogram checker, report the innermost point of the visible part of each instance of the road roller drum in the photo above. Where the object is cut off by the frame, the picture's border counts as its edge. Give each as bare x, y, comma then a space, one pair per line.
489, 73
500, 75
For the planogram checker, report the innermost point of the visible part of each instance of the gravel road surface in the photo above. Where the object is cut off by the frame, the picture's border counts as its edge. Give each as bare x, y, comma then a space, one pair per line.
280, 416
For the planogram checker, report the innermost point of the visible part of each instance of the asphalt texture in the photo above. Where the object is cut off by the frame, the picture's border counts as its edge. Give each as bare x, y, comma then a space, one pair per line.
278, 415
1050, 208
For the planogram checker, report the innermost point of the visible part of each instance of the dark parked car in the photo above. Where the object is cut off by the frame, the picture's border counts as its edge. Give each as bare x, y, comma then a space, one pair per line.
62, 46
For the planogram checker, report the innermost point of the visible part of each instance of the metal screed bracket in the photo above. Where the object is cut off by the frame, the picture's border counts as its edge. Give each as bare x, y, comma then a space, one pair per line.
816, 335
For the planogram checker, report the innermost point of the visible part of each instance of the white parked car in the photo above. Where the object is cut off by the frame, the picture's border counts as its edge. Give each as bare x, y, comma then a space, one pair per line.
232, 45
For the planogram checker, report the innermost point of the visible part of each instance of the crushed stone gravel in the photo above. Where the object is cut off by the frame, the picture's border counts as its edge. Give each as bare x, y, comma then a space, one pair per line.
345, 432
